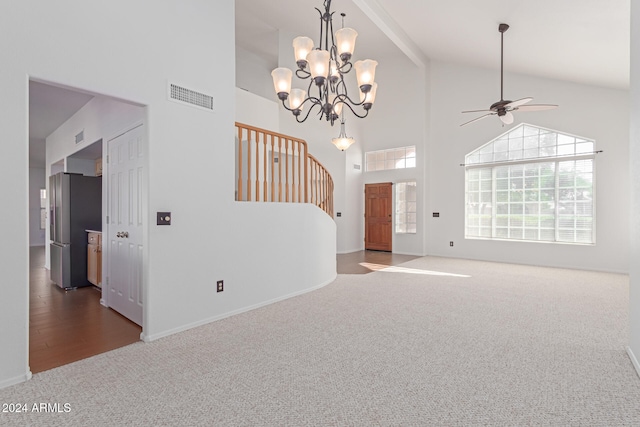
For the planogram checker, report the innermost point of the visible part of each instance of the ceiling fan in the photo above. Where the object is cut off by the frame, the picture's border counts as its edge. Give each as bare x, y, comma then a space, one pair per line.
503, 108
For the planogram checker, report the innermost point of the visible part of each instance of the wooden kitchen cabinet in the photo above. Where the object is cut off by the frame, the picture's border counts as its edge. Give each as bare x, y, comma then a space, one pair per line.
94, 259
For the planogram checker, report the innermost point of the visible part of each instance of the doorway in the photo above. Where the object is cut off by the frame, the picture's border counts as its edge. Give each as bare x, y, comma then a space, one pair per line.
66, 326
377, 216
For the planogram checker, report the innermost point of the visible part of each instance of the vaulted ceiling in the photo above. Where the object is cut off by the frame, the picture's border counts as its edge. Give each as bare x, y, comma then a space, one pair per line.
585, 41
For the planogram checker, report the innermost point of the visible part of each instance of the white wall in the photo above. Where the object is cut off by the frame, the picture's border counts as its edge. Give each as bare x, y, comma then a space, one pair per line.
398, 119
634, 265
265, 263
253, 73
254, 110
36, 182
350, 220
596, 113
132, 58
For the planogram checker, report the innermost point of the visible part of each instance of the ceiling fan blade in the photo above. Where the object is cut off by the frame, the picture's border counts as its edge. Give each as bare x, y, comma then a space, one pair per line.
477, 118
478, 111
507, 119
537, 107
515, 104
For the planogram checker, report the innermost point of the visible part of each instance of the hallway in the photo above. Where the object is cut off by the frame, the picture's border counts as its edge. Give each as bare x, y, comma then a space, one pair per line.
66, 326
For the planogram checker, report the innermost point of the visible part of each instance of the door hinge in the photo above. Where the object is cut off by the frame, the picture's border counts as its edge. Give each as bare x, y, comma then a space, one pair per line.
107, 158
107, 219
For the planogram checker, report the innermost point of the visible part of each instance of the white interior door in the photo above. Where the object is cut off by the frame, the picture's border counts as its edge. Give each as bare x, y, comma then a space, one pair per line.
124, 223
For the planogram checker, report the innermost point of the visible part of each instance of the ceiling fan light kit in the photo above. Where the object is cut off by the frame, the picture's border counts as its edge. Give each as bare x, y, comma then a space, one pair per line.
504, 108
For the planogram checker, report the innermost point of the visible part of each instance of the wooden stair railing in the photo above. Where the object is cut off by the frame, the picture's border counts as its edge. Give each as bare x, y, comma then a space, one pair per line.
272, 167
321, 186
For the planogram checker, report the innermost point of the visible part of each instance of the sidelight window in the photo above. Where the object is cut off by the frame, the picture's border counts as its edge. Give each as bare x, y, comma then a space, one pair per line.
406, 219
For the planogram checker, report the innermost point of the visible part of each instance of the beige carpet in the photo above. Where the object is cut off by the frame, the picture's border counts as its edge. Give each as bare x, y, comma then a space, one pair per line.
435, 341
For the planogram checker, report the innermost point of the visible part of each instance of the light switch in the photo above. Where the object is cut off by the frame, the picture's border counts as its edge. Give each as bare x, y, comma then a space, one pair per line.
164, 218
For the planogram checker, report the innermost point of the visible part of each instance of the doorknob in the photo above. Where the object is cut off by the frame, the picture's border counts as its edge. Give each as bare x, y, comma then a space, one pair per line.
118, 234
125, 234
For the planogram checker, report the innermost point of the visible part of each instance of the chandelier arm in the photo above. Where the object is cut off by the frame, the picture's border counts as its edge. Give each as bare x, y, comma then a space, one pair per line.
313, 100
341, 85
333, 51
302, 74
348, 65
354, 113
346, 98
306, 116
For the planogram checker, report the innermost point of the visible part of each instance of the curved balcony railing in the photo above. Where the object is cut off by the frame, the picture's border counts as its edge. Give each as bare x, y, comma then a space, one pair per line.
272, 167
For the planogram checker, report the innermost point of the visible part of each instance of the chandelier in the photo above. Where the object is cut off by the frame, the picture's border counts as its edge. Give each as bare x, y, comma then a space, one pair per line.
326, 67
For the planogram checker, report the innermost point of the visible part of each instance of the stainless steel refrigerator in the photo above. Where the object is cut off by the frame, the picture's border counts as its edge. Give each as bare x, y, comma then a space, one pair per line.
75, 205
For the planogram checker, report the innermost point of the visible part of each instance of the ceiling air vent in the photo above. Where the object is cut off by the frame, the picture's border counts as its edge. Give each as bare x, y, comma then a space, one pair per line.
190, 97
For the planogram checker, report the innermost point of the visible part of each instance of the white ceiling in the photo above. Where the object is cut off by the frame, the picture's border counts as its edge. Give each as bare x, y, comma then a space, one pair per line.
586, 41
49, 107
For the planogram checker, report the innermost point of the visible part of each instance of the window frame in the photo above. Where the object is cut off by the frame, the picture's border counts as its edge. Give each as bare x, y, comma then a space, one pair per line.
405, 212
390, 156
494, 231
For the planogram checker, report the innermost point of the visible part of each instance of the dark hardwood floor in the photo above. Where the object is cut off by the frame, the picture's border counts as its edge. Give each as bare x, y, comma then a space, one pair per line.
363, 262
66, 326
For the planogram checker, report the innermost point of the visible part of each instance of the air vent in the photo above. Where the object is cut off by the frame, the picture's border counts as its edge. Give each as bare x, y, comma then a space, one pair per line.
80, 137
190, 97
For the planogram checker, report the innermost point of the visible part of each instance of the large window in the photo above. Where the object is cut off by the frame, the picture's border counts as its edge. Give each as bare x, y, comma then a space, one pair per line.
532, 184
395, 158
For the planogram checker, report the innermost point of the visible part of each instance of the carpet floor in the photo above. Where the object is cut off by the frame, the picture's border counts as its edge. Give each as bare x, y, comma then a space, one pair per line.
434, 341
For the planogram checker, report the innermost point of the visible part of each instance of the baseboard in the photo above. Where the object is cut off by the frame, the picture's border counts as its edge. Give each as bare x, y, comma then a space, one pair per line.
409, 253
634, 360
16, 380
148, 338
349, 251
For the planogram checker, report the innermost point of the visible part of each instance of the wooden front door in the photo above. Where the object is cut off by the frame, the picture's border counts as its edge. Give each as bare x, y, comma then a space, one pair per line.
377, 216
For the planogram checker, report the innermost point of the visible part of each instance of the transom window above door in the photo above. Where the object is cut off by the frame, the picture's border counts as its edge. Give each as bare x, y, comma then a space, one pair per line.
395, 158
531, 184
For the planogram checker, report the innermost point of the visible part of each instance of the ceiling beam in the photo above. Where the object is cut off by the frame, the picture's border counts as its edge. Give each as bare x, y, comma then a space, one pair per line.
379, 16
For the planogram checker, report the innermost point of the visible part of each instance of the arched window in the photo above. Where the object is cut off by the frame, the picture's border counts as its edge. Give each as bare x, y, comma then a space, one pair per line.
531, 184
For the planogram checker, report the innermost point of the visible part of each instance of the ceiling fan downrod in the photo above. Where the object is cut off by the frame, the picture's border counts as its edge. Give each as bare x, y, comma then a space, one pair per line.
502, 28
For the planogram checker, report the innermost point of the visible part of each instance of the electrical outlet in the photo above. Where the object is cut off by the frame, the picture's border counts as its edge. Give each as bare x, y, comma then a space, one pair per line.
220, 284
450, 243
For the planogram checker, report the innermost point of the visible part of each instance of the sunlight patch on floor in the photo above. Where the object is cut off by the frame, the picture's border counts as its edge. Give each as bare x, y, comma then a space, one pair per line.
393, 269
